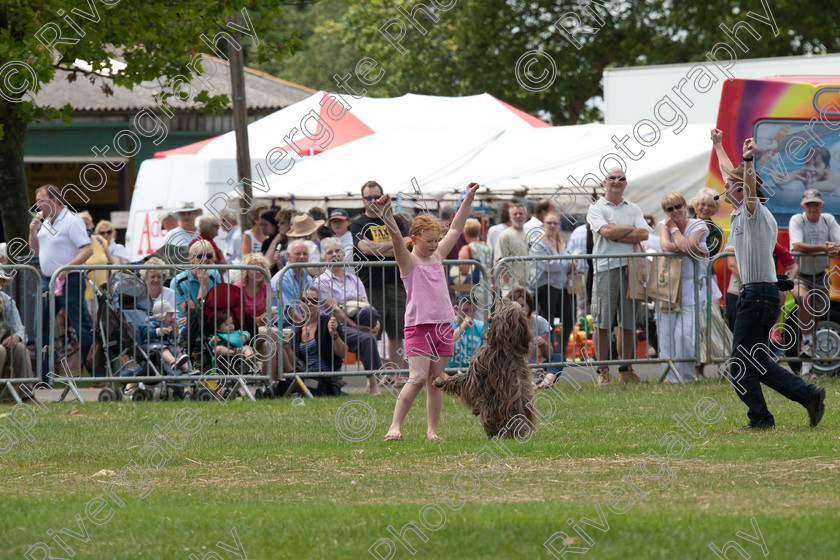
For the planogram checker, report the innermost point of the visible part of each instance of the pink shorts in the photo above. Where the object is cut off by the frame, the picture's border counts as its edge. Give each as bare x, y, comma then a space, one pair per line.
419, 337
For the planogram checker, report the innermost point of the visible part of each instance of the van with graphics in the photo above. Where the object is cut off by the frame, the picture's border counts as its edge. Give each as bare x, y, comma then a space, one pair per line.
795, 121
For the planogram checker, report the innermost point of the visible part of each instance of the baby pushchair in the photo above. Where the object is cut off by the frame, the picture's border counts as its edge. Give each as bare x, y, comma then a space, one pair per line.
124, 306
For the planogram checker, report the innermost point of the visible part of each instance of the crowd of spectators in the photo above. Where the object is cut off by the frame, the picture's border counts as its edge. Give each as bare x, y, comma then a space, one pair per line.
567, 283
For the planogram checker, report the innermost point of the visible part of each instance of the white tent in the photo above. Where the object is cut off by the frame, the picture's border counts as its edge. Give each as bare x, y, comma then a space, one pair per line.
296, 138
535, 162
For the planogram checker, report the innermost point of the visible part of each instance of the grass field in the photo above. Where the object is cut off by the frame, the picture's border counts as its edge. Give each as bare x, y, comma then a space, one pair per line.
291, 486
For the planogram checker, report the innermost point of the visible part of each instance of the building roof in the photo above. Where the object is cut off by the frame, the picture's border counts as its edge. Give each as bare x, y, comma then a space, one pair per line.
262, 91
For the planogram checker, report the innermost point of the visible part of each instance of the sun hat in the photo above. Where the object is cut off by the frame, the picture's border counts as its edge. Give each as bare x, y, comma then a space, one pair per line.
304, 226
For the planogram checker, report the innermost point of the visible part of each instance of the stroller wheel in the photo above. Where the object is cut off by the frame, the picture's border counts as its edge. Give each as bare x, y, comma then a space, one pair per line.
108, 395
178, 393
139, 395
258, 394
150, 394
205, 395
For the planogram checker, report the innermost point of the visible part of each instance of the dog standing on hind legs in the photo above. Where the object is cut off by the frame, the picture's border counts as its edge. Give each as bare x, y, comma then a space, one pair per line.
498, 384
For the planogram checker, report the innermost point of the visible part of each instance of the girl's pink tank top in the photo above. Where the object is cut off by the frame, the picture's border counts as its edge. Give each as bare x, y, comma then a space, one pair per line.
427, 296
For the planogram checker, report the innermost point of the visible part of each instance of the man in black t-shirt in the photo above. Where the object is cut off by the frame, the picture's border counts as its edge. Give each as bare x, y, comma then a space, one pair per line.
372, 242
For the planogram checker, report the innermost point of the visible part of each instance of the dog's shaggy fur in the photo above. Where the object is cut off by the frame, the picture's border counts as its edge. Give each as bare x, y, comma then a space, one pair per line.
498, 384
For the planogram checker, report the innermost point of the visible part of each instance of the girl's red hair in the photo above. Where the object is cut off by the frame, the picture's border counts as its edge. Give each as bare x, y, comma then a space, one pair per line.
423, 223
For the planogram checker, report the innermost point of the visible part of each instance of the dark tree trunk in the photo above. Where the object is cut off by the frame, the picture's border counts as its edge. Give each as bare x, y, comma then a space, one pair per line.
14, 195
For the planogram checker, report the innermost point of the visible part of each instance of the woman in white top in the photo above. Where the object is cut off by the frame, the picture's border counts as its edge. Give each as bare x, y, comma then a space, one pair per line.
550, 278
252, 238
677, 329
155, 280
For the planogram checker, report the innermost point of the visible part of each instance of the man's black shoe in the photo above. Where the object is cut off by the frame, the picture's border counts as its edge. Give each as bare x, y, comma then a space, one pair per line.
816, 406
755, 428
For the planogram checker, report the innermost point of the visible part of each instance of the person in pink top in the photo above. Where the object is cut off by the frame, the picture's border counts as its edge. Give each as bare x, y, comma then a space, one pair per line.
428, 314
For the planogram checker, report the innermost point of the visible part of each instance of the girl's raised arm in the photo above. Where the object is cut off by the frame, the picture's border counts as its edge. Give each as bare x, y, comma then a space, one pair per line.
382, 207
457, 226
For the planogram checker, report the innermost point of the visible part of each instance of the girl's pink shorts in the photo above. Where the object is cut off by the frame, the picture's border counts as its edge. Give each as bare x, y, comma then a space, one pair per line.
419, 337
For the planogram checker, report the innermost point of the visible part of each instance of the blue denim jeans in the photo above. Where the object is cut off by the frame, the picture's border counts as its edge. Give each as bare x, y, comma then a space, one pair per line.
72, 301
752, 358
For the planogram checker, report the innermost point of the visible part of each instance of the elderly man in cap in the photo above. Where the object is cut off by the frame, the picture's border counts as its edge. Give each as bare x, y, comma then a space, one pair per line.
186, 231
818, 235
340, 226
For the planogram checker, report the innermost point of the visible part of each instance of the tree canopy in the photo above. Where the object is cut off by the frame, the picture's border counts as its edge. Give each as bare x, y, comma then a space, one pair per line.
476, 44
157, 40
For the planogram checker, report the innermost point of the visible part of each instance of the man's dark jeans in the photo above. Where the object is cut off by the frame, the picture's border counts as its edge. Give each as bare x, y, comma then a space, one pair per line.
752, 362
72, 301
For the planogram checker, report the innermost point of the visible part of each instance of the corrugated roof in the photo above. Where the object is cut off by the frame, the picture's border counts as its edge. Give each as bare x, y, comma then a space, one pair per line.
262, 91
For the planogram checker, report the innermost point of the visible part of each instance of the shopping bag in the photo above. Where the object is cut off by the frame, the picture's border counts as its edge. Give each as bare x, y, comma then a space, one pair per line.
637, 272
665, 282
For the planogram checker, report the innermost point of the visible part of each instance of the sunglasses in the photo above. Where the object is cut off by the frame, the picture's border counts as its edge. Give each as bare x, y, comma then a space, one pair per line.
310, 301
371, 198
333, 252
208, 256
672, 208
616, 178
106, 232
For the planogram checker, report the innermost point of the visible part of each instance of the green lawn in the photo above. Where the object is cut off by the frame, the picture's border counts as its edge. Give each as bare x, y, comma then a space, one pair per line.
293, 487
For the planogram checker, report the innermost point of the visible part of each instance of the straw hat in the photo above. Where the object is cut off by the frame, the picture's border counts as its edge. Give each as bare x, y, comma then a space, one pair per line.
304, 226
188, 207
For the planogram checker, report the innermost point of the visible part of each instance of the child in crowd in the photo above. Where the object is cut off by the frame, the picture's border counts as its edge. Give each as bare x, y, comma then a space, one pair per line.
428, 313
230, 342
159, 333
468, 334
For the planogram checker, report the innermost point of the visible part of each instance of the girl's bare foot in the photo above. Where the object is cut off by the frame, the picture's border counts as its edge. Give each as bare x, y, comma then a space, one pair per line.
433, 437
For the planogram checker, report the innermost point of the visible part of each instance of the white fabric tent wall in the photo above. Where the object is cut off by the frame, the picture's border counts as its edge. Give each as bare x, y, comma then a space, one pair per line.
533, 163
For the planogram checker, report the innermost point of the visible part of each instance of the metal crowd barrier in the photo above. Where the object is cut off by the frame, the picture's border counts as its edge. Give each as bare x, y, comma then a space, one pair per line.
22, 291
386, 301
508, 266
129, 357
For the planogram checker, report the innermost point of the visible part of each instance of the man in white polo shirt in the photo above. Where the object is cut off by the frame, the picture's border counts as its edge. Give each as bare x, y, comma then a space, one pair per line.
61, 240
753, 234
617, 225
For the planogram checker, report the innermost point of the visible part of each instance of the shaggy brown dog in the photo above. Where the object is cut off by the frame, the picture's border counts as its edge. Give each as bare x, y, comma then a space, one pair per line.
498, 384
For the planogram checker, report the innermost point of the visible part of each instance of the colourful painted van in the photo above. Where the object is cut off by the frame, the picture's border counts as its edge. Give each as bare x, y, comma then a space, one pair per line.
795, 121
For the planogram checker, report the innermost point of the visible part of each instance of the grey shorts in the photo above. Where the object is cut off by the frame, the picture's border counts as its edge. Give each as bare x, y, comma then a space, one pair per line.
818, 295
609, 296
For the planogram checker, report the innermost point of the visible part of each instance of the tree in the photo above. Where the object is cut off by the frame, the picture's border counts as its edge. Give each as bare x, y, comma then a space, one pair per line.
156, 40
477, 45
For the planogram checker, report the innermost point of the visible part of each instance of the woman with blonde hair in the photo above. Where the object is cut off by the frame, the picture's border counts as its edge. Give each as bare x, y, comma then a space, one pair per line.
105, 229
676, 329
254, 289
706, 203
192, 285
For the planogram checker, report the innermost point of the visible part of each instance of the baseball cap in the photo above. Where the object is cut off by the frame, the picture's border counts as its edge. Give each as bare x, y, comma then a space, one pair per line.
812, 195
340, 214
